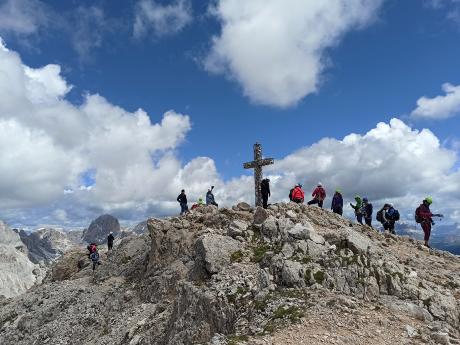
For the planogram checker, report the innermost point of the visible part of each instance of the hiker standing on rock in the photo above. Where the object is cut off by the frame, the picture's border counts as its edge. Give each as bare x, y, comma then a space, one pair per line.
423, 216
298, 195
92, 247
357, 208
265, 191
391, 216
110, 239
337, 202
210, 198
319, 194
182, 200
367, 210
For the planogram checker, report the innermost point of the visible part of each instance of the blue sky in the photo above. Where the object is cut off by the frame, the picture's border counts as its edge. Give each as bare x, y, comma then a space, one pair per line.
376, 67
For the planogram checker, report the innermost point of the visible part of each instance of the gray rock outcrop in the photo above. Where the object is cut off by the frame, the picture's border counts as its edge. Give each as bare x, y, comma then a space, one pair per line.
100, 228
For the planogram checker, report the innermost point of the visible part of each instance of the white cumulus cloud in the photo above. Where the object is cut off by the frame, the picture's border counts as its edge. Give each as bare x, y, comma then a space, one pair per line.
439, 107
161, 20
275, 49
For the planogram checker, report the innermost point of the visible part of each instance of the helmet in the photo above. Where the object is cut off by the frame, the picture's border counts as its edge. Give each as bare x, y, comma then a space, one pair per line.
320, 184
111, 232
338, 190
429, 200
390, 205
365, 200
299, 185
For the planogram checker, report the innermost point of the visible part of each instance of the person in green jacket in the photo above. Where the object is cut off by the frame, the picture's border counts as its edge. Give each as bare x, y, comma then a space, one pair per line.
357, 208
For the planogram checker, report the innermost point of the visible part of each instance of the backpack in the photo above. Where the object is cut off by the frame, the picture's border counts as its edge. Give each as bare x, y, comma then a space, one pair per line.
417, 216
290, 194
380, 216
92, 248
94, 256
396, 215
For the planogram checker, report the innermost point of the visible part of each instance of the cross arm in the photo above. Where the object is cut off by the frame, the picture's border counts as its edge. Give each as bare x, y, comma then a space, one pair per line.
258, 163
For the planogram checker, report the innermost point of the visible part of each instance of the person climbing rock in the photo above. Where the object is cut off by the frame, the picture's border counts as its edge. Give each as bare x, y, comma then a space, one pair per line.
367, 210
357, 208
319, 194
265, 191
298, 194
95, 259
92, 247
110, 239
424, 217
210, 197
337, 202
182, 200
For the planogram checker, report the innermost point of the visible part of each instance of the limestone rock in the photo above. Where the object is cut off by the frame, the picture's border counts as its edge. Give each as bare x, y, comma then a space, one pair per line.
215, 251
237, 228
260, 215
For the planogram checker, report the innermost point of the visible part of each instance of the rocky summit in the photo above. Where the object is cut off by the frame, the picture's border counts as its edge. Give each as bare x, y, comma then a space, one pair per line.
291, 274
100, 228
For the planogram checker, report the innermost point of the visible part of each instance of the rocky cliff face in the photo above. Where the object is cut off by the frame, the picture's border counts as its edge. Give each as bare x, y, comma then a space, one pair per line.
292, 274
17, 272
100, 228
45, 245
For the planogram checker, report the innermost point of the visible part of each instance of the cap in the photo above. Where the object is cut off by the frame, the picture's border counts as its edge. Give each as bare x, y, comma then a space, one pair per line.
429, 200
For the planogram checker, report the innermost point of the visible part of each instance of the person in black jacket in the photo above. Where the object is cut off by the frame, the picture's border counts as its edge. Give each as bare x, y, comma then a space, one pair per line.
182, 200
265, 191
367, 210
110, 239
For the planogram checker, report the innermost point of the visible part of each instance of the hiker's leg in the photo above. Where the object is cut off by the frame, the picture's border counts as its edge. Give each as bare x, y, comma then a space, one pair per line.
320, 203
359, 218
368, 221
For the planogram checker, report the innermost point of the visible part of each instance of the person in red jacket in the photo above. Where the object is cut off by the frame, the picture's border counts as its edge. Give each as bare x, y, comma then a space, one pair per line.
424, 216
319, 194
298, 194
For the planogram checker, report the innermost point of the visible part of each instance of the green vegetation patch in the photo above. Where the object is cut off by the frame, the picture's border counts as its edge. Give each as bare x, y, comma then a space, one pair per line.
237, 339
237, 256
319, 277
259, 252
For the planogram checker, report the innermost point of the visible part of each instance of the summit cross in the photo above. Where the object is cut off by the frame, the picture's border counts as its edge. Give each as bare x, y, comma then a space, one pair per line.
257, 165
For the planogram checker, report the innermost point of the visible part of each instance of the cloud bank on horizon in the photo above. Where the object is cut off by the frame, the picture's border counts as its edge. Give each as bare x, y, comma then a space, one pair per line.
50, 146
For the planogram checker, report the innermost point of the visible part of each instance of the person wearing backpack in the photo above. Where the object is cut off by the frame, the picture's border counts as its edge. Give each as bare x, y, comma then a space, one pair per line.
298, 195
424, 217
391, 216
265, 191
381, 215
95, 259
319, 194
182, 200
337, 202
367, 210
358, 209
210, 198
92, 247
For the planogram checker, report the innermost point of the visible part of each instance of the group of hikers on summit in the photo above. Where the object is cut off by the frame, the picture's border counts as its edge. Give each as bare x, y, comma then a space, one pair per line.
388, 215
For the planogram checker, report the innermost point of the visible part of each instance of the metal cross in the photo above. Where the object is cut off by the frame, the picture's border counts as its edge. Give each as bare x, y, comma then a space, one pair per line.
257, 165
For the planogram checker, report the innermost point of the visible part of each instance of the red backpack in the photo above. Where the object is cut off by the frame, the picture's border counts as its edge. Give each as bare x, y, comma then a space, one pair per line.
92, 248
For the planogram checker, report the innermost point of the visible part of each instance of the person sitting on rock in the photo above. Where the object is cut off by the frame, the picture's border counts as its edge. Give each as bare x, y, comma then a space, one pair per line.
367, 210
182, 200
319, 194
357, 208
198, 204
298, 194
337, 202
110, 239
210, 198
265, 191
